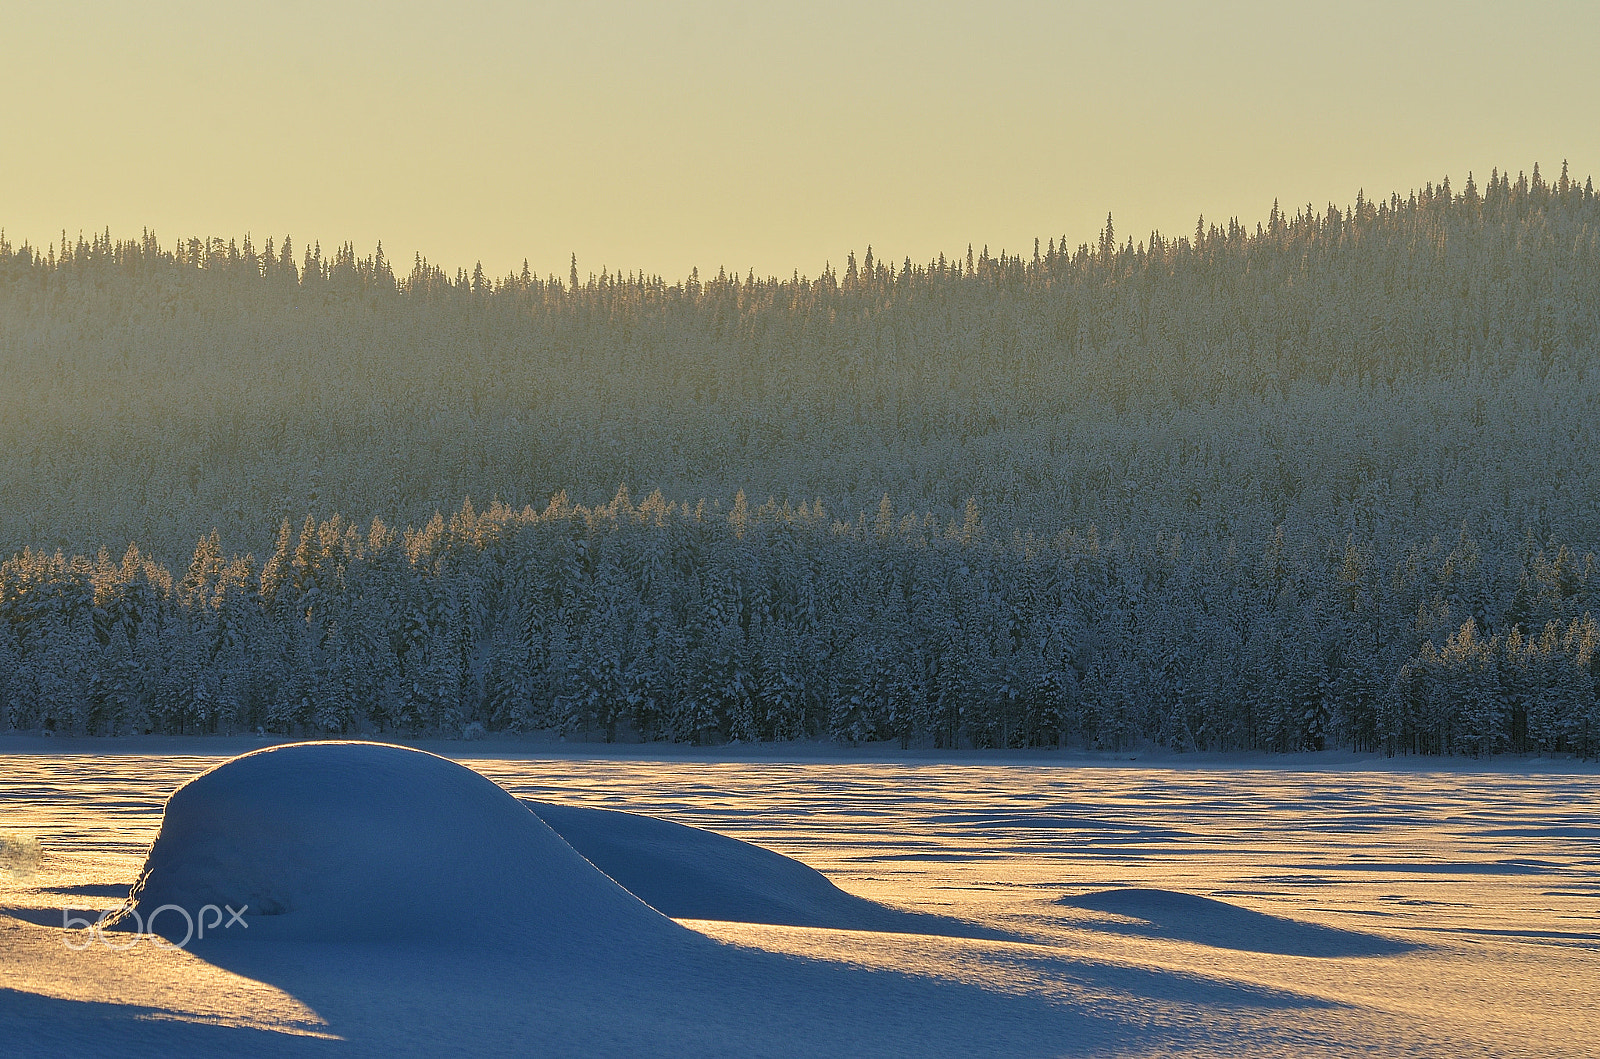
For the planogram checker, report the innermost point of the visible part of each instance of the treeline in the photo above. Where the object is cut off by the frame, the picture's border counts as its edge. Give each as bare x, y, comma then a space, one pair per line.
1186, 451
660, 620
1391, 368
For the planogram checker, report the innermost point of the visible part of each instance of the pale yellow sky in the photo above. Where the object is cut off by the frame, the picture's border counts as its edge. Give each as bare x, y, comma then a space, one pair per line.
664, 136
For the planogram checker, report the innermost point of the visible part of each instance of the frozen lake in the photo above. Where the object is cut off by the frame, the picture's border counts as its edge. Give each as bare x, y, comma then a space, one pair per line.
1132, 909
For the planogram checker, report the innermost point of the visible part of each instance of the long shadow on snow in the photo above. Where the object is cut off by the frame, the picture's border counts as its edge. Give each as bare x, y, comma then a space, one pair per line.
114, 890
41, 1027
699, 997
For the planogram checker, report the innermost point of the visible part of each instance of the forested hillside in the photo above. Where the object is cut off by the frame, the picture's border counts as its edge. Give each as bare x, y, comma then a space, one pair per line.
1326, 481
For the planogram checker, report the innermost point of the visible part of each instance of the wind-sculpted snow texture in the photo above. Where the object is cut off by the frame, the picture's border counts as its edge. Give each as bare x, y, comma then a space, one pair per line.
1134, 911
1326, 482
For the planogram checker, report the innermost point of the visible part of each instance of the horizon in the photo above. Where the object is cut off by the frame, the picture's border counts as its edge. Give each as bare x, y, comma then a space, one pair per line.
710, 136
956, 255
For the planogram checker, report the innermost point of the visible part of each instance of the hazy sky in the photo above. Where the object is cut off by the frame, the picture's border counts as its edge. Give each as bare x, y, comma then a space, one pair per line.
773, 136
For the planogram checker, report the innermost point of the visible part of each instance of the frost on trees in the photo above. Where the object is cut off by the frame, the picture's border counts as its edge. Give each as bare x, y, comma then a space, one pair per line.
1262, 486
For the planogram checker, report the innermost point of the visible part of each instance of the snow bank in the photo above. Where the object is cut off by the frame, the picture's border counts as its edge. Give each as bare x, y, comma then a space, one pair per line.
348, 840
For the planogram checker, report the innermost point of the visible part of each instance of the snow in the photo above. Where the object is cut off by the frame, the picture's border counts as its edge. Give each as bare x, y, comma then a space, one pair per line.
341, 840
1121, 909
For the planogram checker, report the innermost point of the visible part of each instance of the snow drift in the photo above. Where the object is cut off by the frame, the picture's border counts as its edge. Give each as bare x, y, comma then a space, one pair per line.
1207, 921
690, 873
347, 840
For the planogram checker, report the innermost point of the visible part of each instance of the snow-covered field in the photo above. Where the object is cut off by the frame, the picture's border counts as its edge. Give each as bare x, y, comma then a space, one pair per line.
1261, 907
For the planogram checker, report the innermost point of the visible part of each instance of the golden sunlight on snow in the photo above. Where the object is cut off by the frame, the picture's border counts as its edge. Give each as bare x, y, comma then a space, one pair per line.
1217, 911
162, 983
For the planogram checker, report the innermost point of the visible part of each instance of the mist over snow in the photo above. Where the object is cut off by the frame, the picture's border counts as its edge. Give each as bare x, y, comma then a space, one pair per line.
1321, 482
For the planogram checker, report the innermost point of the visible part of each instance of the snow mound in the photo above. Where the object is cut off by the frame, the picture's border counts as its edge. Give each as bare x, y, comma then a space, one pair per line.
1206, 921
364, 841
690, 873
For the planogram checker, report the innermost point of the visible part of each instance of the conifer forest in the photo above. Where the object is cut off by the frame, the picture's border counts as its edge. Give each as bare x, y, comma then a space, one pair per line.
1324, 481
